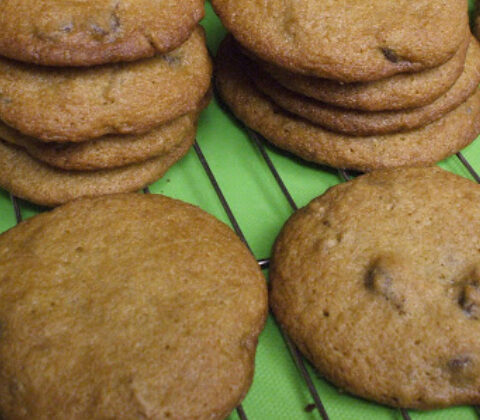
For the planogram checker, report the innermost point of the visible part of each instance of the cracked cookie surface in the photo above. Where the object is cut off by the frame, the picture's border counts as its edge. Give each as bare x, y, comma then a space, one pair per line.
377, 281
85, 33
353, 40
66, 104
128, 307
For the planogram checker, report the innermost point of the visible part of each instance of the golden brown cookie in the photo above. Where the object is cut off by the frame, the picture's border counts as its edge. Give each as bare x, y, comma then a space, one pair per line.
420, 147
108, 151
43, 184
84, 33
127, 307
404, 90
378, 283
355, 40
361, 123
81, 104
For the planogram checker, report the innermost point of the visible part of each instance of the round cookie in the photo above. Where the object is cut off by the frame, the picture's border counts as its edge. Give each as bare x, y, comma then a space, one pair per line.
382, 294
357, 40
402, 91
361, 123
43, 184
85, 33
81, 104
420, 147
108, 151
131, 306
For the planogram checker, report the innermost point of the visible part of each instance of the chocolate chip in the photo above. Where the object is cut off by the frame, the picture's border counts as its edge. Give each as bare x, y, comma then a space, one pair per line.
461, 369
379, 280
390, 55
470, 301
97, 30
67, 28
172, 60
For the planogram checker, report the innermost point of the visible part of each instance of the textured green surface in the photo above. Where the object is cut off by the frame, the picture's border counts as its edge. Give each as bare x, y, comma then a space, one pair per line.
278, 391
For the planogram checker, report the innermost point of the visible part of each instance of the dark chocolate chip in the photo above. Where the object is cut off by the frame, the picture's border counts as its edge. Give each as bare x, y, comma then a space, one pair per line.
390, 55
379, 280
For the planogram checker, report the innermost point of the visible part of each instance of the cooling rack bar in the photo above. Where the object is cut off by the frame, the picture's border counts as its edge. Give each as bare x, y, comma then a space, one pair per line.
469, 167
219, 192
294, 352
263, 263
16, 208
254, 137
240, 411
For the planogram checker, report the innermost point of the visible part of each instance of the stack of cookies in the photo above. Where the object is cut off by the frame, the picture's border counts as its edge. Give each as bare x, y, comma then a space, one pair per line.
97, 98
365, 85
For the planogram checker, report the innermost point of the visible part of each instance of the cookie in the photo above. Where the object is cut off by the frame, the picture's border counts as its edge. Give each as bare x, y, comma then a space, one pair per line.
383, 295
419, 147
88, 33
357, 40
43, 184
361, 123
402, 91
131, 306
80, 104
108, 151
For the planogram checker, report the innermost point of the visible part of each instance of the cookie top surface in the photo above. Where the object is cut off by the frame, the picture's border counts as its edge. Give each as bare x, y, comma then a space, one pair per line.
35, 181
110, 151
85, 33
357, 40
419, 147
80, 104
383, 294
132, 306
364, 123
404, 90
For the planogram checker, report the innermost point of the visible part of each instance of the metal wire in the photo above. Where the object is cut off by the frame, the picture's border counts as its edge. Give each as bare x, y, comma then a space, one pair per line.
219, 193
295, 353
16, 208
293, 350
264, 263
343, 175
255, 138
469, 167
405, 414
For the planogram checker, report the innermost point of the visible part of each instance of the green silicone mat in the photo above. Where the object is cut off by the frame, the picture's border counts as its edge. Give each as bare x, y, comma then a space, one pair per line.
260, 207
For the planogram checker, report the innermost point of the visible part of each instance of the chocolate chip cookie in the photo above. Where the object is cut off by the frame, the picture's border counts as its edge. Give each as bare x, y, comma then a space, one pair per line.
355, 40
85, 33
59, 104
378, 283
402, 91
130, 306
